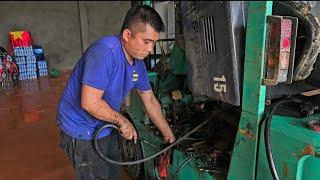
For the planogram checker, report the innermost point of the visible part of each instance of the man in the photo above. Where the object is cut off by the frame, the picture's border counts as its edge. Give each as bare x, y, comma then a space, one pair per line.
102, 78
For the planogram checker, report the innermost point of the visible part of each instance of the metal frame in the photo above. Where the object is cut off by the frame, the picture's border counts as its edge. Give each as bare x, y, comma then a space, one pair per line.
253, 98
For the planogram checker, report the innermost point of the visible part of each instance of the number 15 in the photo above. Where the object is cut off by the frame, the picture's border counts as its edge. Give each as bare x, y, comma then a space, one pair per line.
220, 85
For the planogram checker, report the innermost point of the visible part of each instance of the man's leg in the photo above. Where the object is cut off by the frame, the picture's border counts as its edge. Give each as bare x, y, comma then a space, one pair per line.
114, 154
88, 164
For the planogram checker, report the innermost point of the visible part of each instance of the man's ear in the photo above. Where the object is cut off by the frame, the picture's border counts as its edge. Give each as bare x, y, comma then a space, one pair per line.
126, 34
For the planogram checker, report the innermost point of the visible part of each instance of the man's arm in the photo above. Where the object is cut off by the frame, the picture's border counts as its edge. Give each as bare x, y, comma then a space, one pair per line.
153, 109
92, 102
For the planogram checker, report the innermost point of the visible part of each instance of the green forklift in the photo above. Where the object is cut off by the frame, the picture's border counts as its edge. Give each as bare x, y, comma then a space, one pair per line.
242, 81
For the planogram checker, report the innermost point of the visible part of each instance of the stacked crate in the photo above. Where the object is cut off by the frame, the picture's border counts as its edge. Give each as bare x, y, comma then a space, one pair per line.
26, 61
21, 47
41, 60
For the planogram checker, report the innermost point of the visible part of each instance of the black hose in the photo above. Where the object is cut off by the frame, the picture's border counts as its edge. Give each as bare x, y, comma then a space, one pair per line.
267, 141
144, 159
184, 163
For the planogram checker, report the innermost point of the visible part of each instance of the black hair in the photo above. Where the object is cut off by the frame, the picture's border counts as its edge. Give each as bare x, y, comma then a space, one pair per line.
143, 14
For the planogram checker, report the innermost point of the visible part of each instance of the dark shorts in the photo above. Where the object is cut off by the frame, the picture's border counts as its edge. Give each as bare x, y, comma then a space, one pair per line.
86, 161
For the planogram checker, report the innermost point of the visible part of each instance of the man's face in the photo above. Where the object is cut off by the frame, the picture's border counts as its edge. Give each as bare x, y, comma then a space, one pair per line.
139, 44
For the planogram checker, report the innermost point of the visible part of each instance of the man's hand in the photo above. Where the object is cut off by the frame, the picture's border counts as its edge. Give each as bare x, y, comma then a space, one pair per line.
168, 137
153, 109
128, 131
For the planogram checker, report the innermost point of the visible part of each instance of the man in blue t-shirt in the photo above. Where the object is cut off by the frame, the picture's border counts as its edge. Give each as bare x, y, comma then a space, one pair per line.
102, 78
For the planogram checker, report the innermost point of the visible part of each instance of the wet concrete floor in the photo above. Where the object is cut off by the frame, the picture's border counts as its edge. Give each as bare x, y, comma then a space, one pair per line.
29, 136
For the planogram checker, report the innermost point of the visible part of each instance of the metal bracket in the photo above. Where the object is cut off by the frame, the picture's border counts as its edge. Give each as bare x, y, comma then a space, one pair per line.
280, 49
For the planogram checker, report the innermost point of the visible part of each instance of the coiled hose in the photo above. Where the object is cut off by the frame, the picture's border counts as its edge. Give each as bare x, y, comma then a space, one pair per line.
267, 141
147, 158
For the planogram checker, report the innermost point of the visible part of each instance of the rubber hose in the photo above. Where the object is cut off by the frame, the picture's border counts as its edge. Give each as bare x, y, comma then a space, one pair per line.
185, 162
267, 141
147, 158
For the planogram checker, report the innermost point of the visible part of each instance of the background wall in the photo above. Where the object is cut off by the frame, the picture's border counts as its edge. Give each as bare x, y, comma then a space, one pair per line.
63, 28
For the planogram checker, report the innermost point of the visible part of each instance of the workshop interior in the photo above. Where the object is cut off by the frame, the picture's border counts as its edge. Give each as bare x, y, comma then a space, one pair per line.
238, 82
248, 73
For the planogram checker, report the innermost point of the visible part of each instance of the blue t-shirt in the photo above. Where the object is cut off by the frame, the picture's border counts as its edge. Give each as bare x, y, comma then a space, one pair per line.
103, 66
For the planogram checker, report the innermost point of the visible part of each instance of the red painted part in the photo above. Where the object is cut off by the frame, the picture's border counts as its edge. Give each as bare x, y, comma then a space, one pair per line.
162, 165
314, 125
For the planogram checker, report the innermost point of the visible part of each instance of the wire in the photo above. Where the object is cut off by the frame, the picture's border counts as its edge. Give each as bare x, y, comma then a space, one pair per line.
147, 158
267, 141
149, 143
184, 163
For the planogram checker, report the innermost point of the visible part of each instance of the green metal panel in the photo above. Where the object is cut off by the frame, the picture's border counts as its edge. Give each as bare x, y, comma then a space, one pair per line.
308, 168
149, 3
137, 114
178, 60
152, 76
290, 141
243, 161
189, 171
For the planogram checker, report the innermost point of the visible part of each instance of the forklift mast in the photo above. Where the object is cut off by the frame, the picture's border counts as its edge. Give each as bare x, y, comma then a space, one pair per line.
253, 104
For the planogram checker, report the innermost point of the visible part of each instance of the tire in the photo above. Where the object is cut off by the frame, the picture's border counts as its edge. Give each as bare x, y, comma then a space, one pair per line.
131, 152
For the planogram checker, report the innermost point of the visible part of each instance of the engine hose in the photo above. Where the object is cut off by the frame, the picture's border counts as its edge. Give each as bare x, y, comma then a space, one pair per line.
144, 159
267, 141
185, 162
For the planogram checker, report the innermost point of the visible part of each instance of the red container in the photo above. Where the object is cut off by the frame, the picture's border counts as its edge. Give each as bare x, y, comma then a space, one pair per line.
19, 39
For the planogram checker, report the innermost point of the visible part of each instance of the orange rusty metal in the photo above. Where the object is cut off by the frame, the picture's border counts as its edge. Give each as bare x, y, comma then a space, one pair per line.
308, 150
247, 133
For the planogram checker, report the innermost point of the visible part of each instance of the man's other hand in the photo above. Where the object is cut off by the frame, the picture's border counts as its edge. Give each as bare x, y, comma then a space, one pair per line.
168, 137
